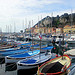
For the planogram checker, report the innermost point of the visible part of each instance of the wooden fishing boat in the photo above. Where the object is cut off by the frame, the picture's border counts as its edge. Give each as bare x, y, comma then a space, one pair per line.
30, 65
14, 58
56, 66
72, 70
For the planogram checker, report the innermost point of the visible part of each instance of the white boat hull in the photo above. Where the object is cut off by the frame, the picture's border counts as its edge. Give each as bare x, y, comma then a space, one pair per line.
32, 66
9, 59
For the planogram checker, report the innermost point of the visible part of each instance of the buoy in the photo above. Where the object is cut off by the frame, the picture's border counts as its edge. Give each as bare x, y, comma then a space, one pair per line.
56, 55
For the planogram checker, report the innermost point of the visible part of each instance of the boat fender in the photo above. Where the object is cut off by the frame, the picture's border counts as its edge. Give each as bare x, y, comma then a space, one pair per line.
56, 55
63, 68
54, 48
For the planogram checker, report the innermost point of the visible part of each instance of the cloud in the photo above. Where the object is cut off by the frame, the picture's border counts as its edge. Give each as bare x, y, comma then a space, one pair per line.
18, 10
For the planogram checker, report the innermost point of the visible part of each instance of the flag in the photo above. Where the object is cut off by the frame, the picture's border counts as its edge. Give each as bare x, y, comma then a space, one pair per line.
40, 36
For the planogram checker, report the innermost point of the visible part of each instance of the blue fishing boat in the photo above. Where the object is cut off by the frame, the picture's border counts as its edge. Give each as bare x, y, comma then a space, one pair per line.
14, 58
3, 54
17, 51
30, 65
46, 48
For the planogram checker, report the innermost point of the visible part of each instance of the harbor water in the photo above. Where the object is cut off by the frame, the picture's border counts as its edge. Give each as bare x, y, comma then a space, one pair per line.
4, 70
12, 70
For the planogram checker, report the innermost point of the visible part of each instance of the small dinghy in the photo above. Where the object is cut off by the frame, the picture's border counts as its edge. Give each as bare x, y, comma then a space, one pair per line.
56, 66
72, 70
14, 58
30, 65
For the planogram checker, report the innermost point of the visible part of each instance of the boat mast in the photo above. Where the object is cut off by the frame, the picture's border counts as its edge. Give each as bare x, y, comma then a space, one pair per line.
71, 23
6, 28
23, 25
51, 22
29, 29
40, 33
63, 39
1, 34
32, 32
14, 27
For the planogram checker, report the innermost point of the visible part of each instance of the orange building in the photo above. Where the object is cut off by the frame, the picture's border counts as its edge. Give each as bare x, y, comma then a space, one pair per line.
44, 30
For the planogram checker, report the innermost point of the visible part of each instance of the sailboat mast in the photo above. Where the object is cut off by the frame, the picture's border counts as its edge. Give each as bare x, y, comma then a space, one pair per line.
23, 25
14, 27
32, 32
51, 22
40, 33
6, 28
29, 28
63, 38
71, 23
10, 28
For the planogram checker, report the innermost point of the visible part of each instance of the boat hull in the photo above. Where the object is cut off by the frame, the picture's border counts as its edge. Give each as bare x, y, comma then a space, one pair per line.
29, 69
67, 61
32, 67
10, 59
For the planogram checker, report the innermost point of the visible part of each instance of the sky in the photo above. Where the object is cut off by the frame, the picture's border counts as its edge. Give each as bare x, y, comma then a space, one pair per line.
16, 15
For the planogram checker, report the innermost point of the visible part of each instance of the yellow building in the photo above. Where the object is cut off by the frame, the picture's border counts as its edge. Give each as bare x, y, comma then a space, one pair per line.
69, 29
